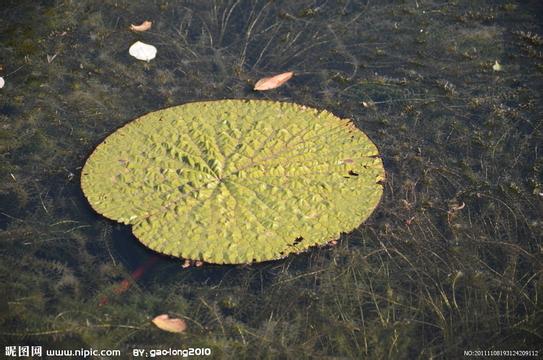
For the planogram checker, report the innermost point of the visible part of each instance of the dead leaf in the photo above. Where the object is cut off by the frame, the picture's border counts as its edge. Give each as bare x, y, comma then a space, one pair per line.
164, 322
144, 26
273, 82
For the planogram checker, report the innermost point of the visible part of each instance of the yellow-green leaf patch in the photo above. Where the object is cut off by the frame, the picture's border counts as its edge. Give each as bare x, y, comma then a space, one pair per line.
235, 181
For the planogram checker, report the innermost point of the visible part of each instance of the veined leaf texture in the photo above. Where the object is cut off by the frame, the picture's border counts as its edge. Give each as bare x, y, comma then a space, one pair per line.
235, 181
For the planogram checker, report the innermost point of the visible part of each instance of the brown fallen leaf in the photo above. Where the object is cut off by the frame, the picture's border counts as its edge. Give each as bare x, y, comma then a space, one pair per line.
273, 82
144, 26
164, 322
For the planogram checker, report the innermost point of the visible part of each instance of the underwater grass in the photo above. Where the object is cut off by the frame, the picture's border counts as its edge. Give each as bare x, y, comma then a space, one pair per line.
451, 259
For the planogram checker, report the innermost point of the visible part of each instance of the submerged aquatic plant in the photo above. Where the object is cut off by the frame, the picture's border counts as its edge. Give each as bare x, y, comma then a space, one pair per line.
235, 181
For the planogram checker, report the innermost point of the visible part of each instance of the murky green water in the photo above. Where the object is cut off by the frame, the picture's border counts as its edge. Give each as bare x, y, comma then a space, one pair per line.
450, 260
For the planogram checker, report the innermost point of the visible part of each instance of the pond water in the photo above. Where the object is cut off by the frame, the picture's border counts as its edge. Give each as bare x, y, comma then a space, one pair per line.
450, 261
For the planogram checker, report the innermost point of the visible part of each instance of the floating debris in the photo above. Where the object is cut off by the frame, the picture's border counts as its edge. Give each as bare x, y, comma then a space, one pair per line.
497, 66
2, 82
273, 82
188, 263
368, 104
142, 51
50, 58
164, 322
144, 26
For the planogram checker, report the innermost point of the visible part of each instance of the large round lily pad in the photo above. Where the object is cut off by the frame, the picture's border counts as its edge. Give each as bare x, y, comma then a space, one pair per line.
235, 181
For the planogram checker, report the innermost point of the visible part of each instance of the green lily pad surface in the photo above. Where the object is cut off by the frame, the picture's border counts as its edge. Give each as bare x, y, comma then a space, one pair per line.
235, 181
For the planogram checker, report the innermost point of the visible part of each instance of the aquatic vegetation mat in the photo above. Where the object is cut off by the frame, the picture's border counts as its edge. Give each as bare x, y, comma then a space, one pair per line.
235, 181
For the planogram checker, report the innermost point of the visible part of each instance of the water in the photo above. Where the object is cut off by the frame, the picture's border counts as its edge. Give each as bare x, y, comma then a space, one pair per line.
449, 261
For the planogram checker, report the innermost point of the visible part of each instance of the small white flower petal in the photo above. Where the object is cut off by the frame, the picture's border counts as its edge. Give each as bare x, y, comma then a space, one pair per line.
2, 82
142, 51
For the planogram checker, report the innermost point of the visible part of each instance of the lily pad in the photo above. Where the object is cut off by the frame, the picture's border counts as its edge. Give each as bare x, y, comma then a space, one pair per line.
235, 181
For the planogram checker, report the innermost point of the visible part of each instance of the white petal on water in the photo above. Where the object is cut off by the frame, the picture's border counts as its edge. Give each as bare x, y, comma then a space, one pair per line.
2, 82
142, 51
